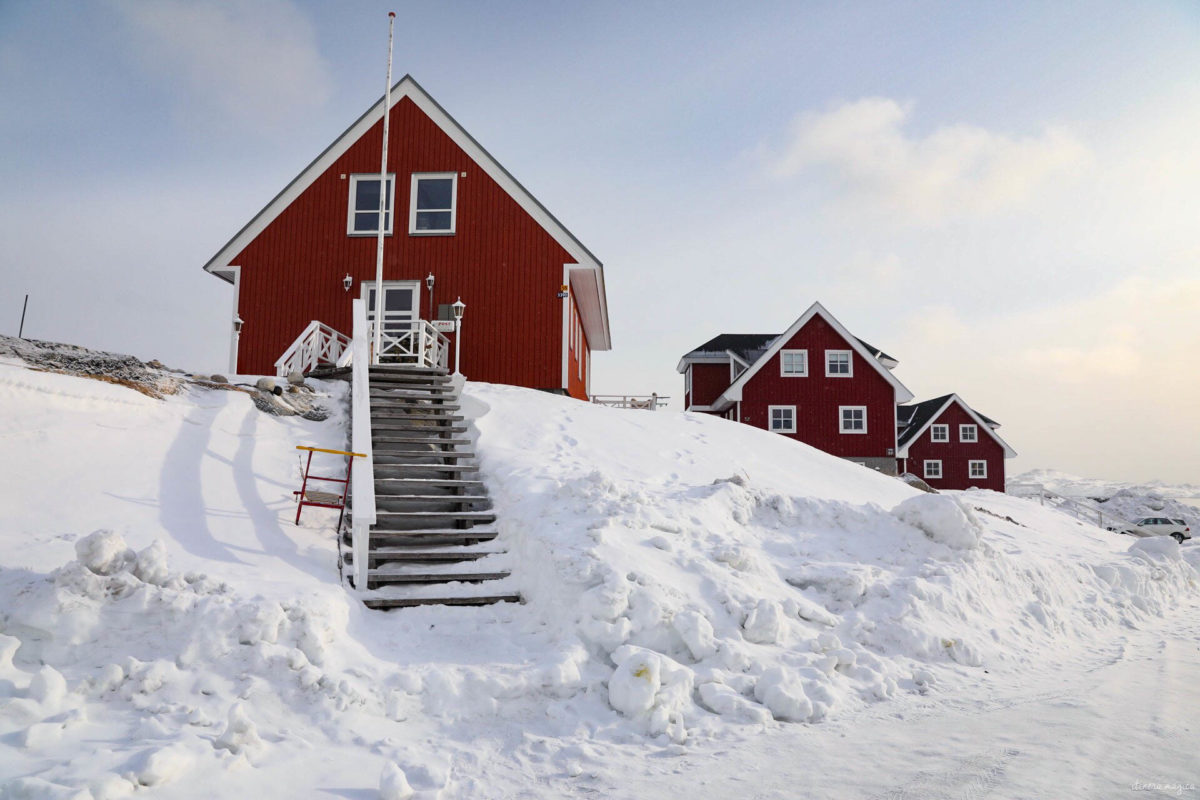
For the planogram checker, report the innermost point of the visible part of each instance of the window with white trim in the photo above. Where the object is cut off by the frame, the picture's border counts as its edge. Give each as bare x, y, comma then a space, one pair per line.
939, 433
362, 217
968, 433
782, 419
933, 468
976, 469
852, 419
793, 363
839, 363
431, 208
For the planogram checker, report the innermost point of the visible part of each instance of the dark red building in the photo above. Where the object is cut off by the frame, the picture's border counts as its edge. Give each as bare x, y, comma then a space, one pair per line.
535, 296
816, 383
819, 384
951, 446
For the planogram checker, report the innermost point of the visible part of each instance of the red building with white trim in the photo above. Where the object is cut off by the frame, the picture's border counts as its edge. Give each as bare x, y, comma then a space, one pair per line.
819, 384
951, 446
535, 296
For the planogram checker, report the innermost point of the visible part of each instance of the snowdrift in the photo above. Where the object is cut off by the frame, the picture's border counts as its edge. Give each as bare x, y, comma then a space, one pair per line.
162, 624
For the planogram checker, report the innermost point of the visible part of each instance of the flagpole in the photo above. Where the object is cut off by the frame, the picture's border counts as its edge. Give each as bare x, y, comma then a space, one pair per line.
383, 196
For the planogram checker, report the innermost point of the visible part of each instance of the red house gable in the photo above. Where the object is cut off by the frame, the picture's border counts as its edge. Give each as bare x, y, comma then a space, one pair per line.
816, 383
951, 446
494, 246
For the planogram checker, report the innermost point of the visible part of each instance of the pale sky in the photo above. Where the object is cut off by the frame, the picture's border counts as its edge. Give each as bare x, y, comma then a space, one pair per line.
1004, 196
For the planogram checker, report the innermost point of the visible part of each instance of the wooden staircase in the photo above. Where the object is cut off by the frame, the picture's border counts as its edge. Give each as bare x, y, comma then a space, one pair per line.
433, 518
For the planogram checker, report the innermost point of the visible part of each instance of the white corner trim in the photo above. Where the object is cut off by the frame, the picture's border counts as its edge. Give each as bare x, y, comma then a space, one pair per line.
566, 326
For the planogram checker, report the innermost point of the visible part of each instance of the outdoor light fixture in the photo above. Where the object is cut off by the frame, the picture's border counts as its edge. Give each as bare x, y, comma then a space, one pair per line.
347, 282
238, 322
459, 307
429, 282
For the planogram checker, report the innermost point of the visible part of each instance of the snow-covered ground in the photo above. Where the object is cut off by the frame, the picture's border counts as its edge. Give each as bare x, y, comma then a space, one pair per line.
708, 607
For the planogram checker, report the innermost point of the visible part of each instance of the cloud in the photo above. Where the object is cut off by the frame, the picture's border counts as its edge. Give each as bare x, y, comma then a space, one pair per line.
1078, 381
253, 65
955, 170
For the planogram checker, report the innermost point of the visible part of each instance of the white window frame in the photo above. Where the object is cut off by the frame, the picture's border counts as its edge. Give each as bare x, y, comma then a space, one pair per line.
968, 426
935, 463
412, 203
783, 357
971, 469
944, 429
353, 196
842, 419
849, 364
771, 419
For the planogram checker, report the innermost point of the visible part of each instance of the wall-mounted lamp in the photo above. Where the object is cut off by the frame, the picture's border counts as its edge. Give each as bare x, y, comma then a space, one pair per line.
429, 282
347, 282
238, 322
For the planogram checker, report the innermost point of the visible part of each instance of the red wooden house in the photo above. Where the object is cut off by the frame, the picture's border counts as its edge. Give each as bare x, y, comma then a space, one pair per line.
816, 383
821, 385
951, 446
455, 218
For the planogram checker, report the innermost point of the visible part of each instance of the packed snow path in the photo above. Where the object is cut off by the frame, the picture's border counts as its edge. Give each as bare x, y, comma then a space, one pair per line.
704, 602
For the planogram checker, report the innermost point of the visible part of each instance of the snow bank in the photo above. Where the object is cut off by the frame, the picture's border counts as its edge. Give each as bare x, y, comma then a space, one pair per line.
163, 624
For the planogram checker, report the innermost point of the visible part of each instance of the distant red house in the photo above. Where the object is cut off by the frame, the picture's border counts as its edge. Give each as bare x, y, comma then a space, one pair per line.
819, 384
816, 383
951, 446
535, 296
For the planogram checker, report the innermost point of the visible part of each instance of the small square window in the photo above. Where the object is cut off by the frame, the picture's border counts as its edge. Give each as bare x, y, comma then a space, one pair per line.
939, 433
977, 469
363, 215
853, 419
968, 433
432, 206
793, 363
933, 469
839, 364
782, 418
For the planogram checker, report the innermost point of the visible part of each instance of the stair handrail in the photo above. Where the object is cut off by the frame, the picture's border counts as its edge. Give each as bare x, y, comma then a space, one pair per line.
317, 343
362, 487
416, 342
1070, 505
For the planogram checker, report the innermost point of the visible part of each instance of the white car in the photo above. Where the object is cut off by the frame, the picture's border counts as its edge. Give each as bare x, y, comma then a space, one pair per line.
1161, 526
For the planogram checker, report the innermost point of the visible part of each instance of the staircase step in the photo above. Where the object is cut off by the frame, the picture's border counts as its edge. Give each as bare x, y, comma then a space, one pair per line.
400, 555
391, 517
400, 404
388, 415
406, 390
401, 427
394, 484
387, 438
376, 577
433, 498
410, 450
385, 603
407, 378
430, 537
407, 369
408, 469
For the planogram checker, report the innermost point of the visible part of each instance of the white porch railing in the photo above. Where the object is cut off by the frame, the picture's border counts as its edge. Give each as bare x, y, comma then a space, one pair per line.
650, 402
416, 343
362, 479
318, 345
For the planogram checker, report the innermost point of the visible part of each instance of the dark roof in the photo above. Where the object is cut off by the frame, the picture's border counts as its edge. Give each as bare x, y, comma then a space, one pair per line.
875, 351
748, 346
917, 414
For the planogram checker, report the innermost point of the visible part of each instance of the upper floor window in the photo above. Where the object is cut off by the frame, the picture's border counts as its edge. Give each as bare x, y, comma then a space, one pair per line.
782, 418
939, 433
793, 363
432, 206
839, 364
363, 216
853, 419
968, 433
